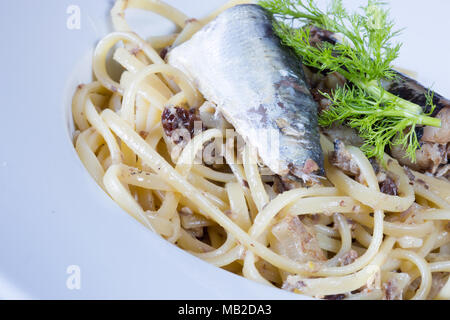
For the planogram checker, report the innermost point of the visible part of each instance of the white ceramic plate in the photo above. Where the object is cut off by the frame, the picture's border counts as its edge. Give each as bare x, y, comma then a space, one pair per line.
54, 216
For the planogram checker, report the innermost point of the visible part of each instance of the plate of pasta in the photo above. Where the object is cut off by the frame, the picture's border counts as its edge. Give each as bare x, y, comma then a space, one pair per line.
276, 141
279, 141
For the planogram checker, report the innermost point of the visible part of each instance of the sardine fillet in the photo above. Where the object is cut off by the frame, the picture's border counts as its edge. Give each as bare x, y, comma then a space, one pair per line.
238, 63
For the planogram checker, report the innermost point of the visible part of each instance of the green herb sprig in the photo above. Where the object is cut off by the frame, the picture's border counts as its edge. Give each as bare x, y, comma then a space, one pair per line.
364, 57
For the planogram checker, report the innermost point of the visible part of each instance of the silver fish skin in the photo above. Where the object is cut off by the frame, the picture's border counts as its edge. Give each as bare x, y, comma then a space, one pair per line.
238, 63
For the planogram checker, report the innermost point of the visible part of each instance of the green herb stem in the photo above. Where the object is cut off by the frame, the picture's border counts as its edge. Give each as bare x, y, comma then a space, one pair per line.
374, 89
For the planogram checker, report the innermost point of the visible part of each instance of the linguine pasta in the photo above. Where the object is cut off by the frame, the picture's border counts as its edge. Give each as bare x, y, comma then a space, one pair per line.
372, 245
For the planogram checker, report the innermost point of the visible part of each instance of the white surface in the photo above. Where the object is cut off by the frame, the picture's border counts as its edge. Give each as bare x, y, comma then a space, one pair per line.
53, 215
